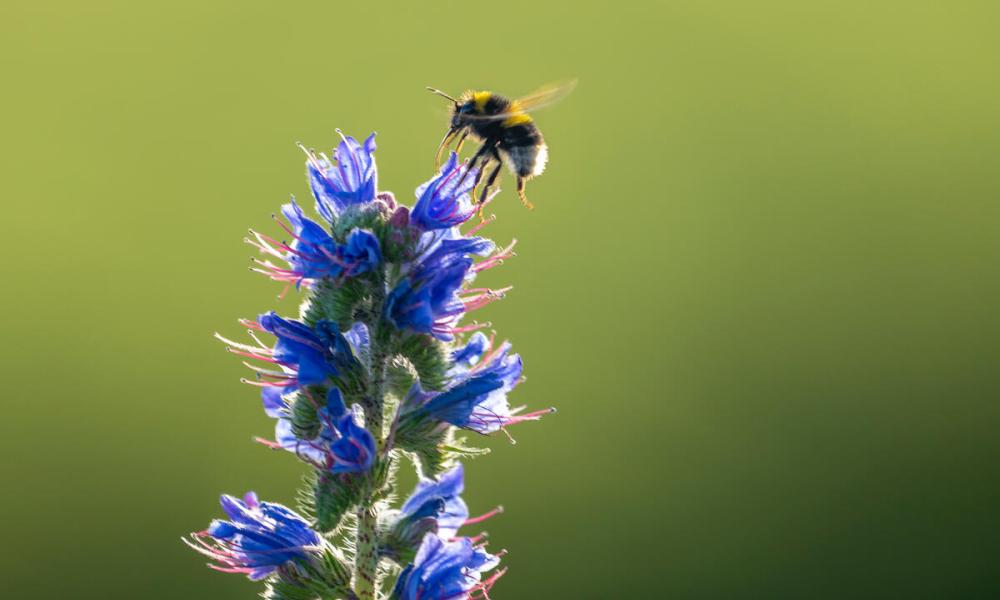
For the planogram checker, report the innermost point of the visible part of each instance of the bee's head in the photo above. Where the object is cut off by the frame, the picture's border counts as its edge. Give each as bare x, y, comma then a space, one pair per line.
460, 115
459, 111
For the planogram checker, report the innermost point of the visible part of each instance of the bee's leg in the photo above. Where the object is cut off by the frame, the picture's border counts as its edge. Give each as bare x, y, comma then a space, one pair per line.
479, 155
491, 181
483, 165
520, 192
461, 140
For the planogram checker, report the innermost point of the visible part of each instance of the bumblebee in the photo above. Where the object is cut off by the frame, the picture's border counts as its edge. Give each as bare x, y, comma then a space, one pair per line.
506, 131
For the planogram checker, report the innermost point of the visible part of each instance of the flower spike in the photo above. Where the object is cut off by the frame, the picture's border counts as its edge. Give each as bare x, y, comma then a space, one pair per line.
380, 362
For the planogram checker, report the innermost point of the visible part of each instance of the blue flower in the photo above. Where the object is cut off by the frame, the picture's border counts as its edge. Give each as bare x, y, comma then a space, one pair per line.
427, 300
468, 355
435, 506
314, 356
360, 253
258, 538
359, 340
342, 445
444, 201
313, 253
303, 351
446, 570
305, 356
440, 500
352, 180
476, 398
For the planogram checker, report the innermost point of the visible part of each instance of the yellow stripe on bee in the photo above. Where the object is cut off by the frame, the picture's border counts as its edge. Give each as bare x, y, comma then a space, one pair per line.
517, 115
481, 98
516, 119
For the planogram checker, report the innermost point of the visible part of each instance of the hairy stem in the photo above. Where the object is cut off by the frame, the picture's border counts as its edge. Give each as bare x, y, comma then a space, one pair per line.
366, 560
366, 538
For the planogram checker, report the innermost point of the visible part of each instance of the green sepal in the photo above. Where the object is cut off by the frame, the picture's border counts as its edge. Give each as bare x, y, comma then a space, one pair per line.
280, 590
305, 422
360, 216
336, 300
397, 239
336, 568
429, 358
432, 449
323, 577
334, 496
400, 376
423, 441
401, 537
351, 383
456, 448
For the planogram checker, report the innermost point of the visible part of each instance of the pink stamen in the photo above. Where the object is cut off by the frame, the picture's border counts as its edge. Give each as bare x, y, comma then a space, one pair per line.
463, 329
243, 570
264, 371
265, 384
252, 324
496, 511
533, 416
254, 356
482, 299
474, 540
475, 228
490, 355
484, 587
260, 343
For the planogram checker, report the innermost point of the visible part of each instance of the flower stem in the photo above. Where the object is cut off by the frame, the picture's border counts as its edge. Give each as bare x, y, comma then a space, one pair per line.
366, 537
366, 559
381, 334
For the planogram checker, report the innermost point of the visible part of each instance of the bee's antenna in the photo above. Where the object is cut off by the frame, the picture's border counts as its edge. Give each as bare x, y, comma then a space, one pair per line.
440, 93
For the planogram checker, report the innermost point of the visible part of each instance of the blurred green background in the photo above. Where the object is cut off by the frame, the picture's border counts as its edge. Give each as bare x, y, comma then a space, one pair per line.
761, 283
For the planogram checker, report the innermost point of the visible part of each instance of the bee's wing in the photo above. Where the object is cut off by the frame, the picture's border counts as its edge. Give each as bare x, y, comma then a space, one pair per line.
540, 98
546, 95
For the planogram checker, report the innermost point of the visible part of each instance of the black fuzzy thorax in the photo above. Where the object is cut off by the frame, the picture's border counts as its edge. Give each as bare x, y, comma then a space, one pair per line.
517, 139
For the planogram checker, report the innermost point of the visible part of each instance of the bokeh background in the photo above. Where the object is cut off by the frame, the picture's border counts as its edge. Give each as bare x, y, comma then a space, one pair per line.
761, 283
